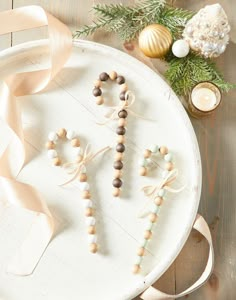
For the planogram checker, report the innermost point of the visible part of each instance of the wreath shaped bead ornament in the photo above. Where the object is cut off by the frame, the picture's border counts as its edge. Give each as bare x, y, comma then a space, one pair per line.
81, 174
156, 195
122, 122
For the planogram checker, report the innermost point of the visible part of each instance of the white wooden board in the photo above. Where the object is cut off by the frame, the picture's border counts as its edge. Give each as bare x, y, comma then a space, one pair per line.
67, 270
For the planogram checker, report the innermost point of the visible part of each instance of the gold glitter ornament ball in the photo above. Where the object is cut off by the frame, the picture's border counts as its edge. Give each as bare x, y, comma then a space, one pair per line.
155, 41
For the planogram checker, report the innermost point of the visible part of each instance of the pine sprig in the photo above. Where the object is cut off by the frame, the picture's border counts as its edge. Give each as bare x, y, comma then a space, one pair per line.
184, 73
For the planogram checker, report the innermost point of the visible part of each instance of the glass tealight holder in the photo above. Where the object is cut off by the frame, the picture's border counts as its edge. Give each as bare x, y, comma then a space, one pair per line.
203, 100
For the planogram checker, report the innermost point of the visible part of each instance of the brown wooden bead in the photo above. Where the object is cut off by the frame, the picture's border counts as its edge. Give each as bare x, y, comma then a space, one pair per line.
158, 201
97, 92
148, 234
93, 248
57, 161
121, 130
99, 100
169, 166
121, 139
122, 114
136, 269
62, 133
123, 96
113, 75
75, 142
141, 251
97, 83
91, 230
119, 156
116, 192
86, 195
143, 171
147, 153
120, 147
103, 76
118, 165
122, 122
153, 217
88, 212
118, 174
124, 87
163, 150
83, 177
120, 79
117, 182
50, 145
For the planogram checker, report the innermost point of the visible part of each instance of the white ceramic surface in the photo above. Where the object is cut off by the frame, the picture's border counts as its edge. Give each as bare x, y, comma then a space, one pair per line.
67, 270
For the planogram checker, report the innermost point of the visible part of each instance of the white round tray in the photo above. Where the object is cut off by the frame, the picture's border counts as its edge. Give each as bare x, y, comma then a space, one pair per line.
67, 270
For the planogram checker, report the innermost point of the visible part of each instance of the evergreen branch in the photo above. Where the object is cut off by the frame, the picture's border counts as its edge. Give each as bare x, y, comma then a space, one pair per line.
184, 73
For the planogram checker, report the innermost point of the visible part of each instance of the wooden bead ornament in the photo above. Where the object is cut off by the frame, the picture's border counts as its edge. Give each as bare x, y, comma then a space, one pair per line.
78, 167
147, 160
156, 195
122, 115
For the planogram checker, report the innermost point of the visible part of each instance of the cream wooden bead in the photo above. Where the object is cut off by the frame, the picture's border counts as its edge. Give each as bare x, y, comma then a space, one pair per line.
91, 230
153, 217
50, 145
158, 201
143, 171
136, 269
89, 212
93, 248
75, 142
116, 192
57, 161
121, 139
118, 156
113, 75
83, 178
163, 150
148, 234
97, 83
124, 87
141, 251
86, 195
122, 122
118, 174
61, 133
169, 166
99, 100
147, 153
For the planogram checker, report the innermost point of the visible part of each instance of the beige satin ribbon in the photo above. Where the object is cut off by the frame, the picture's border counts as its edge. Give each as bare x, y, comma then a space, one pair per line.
12, 159
201, 226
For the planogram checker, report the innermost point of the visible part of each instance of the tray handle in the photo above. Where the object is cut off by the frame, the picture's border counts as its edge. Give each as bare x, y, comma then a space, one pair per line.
201, 226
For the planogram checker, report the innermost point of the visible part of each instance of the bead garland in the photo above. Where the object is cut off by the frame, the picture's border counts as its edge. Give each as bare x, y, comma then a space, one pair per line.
63, 134
158, 198
121, 129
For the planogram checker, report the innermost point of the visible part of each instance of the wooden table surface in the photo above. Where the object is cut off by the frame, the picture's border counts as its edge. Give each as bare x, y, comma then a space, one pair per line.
217, 145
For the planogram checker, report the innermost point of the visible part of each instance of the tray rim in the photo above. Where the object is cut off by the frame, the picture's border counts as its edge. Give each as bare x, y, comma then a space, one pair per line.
155, 274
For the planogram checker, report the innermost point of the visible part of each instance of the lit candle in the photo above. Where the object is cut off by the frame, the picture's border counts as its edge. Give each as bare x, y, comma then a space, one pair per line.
204, 98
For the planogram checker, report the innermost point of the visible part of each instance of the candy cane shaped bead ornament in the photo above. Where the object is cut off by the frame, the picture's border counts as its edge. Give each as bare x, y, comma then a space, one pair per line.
122, 122
78, 168
156, 195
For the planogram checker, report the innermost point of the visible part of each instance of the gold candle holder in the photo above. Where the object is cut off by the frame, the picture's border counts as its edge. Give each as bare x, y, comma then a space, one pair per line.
204, 98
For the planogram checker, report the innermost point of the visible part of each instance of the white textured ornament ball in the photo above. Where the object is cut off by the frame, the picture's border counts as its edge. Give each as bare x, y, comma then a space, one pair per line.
180, 48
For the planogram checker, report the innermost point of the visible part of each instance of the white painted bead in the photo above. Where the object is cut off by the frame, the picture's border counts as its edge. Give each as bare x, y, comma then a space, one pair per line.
165, 173
155, 209
168, 157
78, 151
149, 225
180, 48
52, 153
143, 243
53, 136
161, 193
84, 186
83, 170
87, 203
90, 221
142, 162
70, 134
92, 238
138, 260
154, 148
